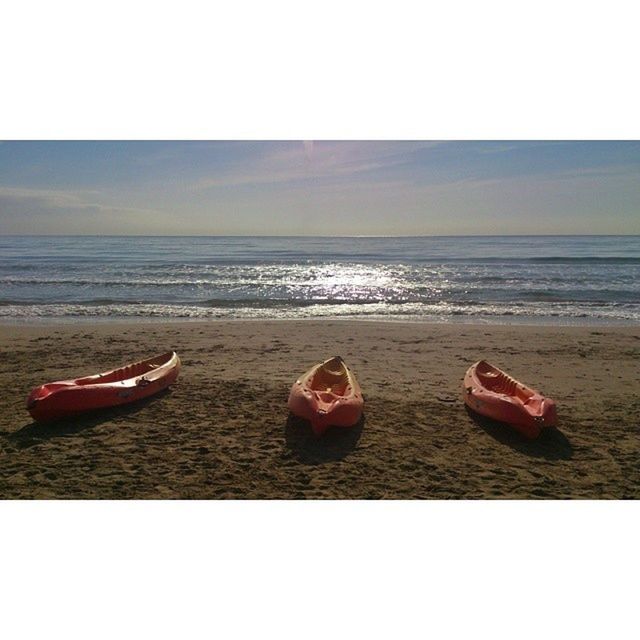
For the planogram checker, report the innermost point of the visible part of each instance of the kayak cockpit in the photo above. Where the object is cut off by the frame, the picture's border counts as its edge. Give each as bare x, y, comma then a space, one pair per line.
497, 381
331, 377
128, 372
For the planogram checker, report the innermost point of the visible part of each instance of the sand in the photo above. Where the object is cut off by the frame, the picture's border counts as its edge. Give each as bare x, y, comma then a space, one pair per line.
224, 431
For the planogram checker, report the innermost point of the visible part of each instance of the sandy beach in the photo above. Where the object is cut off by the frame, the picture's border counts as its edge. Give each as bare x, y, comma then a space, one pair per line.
224, 431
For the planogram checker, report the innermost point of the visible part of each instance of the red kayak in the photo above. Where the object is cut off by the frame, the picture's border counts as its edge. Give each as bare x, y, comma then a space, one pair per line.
327, 395
133, 382
496, 395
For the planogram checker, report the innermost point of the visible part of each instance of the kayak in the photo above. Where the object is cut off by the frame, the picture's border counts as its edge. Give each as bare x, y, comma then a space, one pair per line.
327, 395
496, 395
132, 382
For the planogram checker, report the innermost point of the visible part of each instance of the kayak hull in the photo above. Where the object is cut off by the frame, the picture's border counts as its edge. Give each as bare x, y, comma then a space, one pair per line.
494, 394
327, 395
133, 382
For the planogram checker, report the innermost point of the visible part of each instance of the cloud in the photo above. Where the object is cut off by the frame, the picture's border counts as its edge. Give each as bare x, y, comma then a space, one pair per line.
613, 171
52, 211
62, 199
48, 197
313, 161
506, 146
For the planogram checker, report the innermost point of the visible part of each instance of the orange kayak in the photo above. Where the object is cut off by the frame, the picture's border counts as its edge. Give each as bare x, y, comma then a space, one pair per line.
496, 395
327, 395
133, 382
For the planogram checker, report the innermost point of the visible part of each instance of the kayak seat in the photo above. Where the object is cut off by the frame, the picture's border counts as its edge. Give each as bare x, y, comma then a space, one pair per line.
335, 382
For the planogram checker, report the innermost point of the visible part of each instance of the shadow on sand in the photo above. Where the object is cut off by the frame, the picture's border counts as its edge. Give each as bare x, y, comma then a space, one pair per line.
552, 444
36, 433
335, 444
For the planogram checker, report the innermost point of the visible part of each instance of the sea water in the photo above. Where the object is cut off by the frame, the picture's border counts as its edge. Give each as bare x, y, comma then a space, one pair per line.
548, 279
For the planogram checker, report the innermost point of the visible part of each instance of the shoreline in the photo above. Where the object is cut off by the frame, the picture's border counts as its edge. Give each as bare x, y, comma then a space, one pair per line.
223, 430
456, 321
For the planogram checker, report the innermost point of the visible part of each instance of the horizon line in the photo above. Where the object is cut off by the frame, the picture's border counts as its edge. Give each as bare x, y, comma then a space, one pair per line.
204, 235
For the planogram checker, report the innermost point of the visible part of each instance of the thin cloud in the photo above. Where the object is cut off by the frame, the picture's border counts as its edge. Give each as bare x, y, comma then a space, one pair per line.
600, 172
63, 200
312, 161
51, 197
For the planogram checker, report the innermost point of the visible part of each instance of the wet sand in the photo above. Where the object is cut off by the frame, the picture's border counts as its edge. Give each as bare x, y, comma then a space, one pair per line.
223, 430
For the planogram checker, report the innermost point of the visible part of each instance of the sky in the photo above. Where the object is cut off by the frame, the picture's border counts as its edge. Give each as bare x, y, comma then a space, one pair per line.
319, 188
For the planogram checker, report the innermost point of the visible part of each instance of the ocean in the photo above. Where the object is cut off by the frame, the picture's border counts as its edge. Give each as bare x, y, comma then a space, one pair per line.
536, 279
